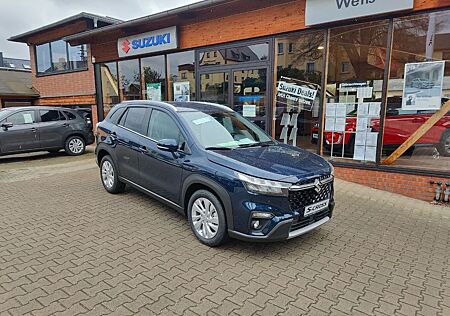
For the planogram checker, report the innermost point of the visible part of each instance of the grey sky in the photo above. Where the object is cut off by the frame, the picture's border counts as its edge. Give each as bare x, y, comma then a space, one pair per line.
19, 16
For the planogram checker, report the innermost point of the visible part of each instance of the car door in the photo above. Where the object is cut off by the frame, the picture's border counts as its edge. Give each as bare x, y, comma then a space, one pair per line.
161, 171
22, 136
128, 134
52, 128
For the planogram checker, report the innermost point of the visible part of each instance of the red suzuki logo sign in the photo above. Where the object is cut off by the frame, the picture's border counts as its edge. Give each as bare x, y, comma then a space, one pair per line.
126, 46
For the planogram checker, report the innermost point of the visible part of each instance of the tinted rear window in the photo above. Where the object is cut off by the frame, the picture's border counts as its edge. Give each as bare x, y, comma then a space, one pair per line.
133, 119
71, 116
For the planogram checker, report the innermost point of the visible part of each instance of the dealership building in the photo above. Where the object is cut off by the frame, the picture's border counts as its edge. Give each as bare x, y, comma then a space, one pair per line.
365, 83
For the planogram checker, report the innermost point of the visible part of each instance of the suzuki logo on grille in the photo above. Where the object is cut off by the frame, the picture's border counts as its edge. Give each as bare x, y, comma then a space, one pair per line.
318, 186
126, 46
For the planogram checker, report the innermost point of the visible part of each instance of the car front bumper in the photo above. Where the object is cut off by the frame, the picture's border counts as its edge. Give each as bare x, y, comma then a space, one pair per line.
287, 229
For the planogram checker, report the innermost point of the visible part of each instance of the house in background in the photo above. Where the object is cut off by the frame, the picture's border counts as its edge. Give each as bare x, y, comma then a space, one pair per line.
16, 82
61, 74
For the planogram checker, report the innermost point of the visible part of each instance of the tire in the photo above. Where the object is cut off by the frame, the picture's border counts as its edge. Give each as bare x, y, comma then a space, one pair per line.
75, 146
206, 217
109, 176
444, 146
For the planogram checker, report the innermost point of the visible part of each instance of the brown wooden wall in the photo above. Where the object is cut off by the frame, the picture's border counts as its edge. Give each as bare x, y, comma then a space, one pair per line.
277, 19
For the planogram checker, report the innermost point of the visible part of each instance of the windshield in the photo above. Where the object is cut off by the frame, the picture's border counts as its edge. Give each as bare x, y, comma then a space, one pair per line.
226, 130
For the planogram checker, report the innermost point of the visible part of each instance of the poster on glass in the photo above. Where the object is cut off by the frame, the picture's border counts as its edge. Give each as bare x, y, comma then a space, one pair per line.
423, 86
181, 91
154, 91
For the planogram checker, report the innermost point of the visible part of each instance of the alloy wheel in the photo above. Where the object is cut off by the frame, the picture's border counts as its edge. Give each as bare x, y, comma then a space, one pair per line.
205, 218
76, 146
108, 174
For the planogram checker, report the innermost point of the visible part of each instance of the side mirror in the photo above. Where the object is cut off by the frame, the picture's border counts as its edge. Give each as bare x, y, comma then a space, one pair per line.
170, 145
7, 125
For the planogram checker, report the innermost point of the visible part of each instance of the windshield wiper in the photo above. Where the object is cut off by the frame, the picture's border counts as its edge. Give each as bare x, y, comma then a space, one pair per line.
258, 144
218, 148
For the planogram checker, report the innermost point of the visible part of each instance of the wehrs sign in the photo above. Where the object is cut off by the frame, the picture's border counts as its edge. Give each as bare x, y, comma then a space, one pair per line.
325, 11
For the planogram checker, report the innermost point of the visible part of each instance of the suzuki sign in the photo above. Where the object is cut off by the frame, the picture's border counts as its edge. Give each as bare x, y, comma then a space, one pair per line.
147, 43
325, 11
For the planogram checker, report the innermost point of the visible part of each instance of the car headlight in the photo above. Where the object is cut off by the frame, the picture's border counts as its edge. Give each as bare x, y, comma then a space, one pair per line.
262, 186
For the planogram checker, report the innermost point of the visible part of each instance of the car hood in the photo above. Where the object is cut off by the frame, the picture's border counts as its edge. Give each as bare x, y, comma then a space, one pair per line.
278, 162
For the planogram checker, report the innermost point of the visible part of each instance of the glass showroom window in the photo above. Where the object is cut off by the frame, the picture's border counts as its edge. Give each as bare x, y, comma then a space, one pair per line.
235, 55
419, 86
43, 62
181, 67
296, 118
154, 78
357, 62
110, 86
129, 80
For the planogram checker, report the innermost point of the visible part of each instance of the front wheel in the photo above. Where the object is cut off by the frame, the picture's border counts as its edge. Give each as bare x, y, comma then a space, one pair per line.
207, 218
444, 146
109, 176
75, 146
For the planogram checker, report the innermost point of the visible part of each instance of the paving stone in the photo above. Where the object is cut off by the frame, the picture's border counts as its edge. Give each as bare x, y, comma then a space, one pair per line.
129, 255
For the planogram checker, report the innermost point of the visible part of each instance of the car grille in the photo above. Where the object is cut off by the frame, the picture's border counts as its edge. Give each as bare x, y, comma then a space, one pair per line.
303, 222
298, 199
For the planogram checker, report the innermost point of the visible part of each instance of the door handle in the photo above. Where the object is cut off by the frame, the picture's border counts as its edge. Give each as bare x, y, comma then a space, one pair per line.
113, 135
66, 125
143, 149
33, 129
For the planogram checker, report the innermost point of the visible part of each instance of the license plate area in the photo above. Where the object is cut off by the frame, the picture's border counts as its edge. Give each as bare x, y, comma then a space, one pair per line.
315, 136
315, 208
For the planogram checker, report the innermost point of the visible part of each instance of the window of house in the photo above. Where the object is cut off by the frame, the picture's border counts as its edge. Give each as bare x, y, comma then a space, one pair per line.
58, 56
310, 67
280, 48
291, 47
78, 56
237, 54
43, 62
345, 67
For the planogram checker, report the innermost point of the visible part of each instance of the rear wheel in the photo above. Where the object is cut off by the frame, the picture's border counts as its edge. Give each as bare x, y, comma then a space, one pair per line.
444, 146
75, 146
109, 176
207, 218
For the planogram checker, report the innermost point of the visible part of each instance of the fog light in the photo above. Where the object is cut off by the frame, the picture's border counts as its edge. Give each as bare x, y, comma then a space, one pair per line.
262, 215
256, 225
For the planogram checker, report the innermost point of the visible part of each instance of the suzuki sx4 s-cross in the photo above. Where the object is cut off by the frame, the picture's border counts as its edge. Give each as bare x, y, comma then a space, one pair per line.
225, 174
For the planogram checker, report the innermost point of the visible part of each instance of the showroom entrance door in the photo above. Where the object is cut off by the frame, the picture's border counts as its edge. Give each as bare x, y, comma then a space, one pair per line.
245, 90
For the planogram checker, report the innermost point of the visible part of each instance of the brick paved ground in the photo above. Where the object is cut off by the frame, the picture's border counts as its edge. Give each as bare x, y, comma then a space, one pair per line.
67, 247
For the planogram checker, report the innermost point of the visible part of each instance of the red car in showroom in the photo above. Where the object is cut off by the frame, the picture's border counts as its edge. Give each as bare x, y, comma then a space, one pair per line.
399, 126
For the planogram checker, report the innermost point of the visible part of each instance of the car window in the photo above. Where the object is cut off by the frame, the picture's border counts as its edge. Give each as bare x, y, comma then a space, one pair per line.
133, 119
114, 115
51, 115
162, 126
70, 115
21, 118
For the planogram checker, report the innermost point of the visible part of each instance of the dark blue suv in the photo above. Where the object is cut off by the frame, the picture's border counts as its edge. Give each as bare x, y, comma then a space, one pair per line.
216, 167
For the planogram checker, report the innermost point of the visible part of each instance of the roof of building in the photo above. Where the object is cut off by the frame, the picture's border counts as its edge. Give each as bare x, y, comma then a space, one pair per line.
104, 20
192, 13
16, 84
16, 64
